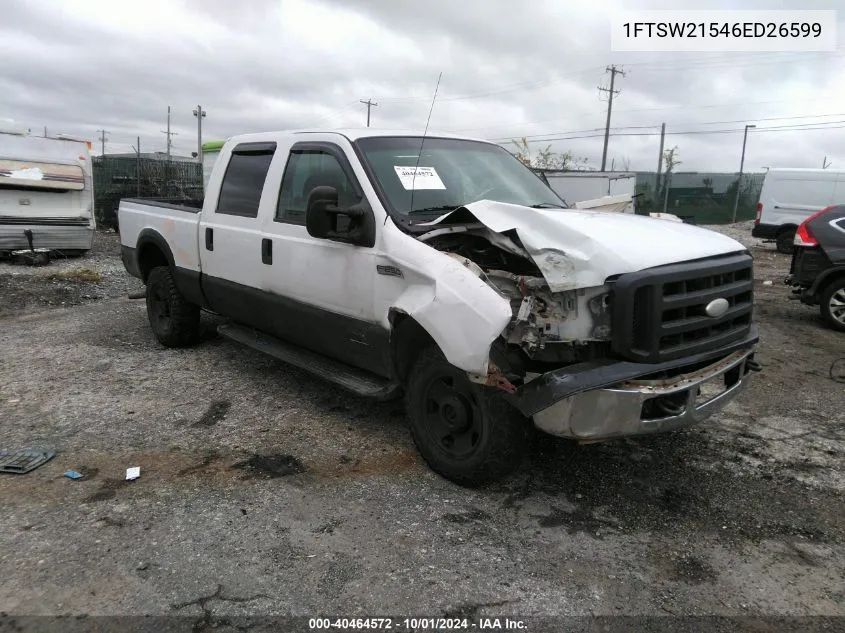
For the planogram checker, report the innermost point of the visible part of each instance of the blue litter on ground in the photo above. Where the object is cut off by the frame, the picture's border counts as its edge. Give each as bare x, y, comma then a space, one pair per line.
72, 474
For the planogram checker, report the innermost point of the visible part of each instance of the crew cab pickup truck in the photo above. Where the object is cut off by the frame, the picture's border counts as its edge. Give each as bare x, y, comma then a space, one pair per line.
442, 269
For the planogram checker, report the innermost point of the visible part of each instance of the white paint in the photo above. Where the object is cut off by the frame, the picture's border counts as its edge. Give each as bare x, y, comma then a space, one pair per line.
31, 173
30, 160
665, 216
446, 296
419, 177
790, 196
581, 249
574, 186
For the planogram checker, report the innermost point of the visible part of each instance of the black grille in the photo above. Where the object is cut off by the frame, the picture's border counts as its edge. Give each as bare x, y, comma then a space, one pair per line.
659, 313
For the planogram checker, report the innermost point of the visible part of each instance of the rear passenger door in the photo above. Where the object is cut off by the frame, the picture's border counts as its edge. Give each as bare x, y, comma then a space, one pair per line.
230, 237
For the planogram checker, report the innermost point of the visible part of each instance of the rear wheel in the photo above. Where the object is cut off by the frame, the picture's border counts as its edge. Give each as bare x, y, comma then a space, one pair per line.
784, 241
832, 304
174, 320
465, 432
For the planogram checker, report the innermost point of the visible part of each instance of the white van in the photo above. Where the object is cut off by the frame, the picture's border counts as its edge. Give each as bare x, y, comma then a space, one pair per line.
790, 196
46, 187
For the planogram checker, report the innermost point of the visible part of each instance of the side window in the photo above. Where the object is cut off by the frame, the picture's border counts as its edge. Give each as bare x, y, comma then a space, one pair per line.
305, 170
240, 192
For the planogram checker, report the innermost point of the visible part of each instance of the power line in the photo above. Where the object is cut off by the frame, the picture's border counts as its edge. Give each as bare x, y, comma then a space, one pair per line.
675, 107
832, 125
541, 137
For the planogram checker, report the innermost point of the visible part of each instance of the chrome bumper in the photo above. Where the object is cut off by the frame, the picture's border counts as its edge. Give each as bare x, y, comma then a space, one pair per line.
629, 408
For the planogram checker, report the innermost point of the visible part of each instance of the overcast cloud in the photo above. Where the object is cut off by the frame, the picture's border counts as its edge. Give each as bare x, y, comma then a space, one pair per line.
79, 67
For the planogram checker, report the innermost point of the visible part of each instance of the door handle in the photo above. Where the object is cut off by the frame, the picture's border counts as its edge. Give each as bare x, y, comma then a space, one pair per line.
209, 239
267, 251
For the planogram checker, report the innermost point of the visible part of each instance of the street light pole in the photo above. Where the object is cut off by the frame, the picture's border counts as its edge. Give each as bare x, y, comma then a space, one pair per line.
200, 114
741, 165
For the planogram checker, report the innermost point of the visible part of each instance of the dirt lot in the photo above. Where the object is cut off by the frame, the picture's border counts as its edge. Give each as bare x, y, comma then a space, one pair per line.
263, 491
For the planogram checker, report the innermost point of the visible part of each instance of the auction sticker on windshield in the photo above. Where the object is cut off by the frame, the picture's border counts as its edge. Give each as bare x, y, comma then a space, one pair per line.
425, 178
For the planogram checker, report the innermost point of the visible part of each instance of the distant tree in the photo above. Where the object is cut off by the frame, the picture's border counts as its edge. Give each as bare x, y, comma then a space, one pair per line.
670, 158
546, 158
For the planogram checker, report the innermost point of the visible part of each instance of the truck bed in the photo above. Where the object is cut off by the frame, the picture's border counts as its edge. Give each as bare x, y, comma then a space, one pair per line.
177, 224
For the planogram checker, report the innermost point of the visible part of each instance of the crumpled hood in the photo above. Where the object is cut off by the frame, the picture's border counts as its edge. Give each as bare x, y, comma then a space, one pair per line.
581, 249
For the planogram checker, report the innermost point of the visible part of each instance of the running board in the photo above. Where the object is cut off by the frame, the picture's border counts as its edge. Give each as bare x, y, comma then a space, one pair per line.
352, 379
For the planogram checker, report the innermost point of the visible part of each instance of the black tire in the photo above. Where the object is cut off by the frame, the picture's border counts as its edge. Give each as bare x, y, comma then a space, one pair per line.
784, 241
466, 432
174, 320
832, 304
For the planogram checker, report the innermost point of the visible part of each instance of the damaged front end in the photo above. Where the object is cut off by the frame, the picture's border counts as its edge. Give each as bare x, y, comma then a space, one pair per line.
548, 329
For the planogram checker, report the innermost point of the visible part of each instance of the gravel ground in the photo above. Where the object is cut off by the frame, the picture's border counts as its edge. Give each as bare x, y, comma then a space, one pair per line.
264, 491
67, 282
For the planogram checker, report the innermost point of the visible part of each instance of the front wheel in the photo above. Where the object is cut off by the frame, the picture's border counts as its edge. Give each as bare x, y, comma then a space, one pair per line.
174, 320
465, 432
832, 304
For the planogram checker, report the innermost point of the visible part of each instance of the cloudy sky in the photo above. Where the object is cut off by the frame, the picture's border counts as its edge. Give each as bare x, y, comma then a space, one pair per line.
86, 65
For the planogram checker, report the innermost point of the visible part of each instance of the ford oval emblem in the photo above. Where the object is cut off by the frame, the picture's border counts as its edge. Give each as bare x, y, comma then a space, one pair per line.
717, 307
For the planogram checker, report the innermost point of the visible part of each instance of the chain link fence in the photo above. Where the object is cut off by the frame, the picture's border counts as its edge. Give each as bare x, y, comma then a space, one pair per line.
117, 177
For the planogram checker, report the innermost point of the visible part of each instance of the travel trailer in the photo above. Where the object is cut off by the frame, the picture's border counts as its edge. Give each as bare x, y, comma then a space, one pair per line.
46, 193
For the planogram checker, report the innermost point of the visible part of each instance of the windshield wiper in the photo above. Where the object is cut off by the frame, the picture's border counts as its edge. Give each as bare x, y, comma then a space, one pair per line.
547, 205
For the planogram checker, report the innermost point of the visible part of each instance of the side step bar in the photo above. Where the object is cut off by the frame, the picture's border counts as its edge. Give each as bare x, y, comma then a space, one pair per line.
352, 379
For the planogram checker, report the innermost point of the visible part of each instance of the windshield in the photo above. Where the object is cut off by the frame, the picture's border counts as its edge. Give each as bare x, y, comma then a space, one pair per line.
451, 173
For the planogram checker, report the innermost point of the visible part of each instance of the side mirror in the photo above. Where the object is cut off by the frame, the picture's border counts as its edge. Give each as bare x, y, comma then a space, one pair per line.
324, 219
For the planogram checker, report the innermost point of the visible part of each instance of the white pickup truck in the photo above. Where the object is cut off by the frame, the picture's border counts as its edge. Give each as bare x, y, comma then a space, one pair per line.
443, 269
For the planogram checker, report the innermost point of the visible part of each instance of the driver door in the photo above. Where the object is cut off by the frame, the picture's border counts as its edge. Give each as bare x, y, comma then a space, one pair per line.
324, 289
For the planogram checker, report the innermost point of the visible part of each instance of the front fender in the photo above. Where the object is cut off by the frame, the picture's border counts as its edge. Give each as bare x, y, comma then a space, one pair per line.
459, 311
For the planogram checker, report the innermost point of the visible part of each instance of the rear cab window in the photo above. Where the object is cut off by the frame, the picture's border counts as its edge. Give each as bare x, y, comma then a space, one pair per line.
243, 182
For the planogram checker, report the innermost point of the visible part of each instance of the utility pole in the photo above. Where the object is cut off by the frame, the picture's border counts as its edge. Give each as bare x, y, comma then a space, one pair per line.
613, 70
369, 103
169, 134
138, 167
169, 143
103, 141
200, 114
741, 165
45, 131
659, 163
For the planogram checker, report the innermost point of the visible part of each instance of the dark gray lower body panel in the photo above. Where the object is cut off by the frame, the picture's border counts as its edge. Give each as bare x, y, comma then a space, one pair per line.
350, 378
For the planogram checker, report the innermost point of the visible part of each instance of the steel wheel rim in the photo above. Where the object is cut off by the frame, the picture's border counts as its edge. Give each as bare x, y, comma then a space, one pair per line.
452, 415
836, 305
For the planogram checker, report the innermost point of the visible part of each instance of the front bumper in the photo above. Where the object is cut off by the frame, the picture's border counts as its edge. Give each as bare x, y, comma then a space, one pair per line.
638, 407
